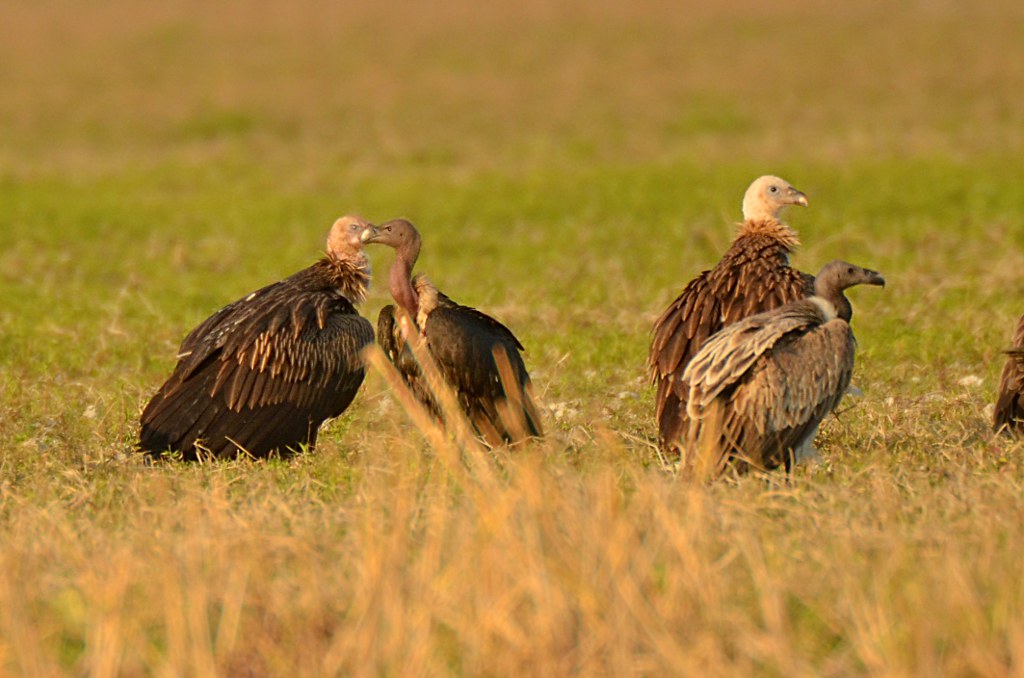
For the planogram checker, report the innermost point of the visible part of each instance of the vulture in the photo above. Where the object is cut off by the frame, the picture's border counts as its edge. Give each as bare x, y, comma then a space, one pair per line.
757, 390
1009, 414
261, 374
470, 348
753, 276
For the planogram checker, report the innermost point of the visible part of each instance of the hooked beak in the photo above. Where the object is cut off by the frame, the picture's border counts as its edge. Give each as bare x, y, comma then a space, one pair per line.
798, 198
875, 278
369, 234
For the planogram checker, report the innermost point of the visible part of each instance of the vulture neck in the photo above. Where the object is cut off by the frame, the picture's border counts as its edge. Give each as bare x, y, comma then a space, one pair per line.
835, 299
400, 279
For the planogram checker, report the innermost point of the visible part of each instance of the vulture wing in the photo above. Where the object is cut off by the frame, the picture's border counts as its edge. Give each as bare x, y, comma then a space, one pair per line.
210, 334
760, 386
685, 325
394, 345
463, 341
726, 358
261, 374
791, 391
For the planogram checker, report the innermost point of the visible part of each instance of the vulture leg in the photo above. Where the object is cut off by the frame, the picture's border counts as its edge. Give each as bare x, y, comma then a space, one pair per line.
807, 453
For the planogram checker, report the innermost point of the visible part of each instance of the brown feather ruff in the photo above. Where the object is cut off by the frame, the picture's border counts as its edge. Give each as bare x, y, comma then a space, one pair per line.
350, 275
753, 276
1009, 412
773, 228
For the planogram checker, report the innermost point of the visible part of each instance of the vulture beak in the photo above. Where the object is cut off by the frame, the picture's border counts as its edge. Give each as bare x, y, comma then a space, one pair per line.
798, 198
875, 278
369, 233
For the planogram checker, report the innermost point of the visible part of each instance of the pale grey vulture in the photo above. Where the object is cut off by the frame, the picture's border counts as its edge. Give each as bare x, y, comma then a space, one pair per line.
757, 390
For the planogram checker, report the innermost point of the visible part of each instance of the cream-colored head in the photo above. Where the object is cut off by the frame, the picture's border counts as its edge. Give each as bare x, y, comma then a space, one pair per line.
767, 196
346, 237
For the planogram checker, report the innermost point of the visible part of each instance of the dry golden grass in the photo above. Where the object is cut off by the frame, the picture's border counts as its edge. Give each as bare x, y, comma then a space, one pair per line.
529, 565
571, 165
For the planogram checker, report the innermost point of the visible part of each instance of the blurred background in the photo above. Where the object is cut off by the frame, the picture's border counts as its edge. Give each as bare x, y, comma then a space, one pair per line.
455, 84
571, 164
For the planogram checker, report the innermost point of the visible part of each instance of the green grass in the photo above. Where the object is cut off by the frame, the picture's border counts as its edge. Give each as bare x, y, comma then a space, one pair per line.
570, 167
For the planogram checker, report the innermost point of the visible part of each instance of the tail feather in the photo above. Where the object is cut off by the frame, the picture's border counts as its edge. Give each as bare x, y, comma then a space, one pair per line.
532, 413
673, 424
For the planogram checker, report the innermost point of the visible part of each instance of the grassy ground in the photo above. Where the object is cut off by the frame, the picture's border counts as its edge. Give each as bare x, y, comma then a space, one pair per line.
571, 166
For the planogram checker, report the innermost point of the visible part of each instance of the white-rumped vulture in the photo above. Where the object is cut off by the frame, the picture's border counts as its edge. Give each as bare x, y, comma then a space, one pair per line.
261, 374
753, 276
1009, 414
757, 390
463, 343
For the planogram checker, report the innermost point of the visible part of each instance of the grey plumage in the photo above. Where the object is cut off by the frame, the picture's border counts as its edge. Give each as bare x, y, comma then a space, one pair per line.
758, 388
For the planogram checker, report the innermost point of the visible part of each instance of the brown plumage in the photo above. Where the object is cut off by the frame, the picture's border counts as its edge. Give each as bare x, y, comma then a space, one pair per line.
753, 276
1009, 414
758, 389
462, 341
261, 374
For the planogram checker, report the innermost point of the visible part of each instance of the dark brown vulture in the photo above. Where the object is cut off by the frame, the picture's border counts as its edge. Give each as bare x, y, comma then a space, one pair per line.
758, 389
462, 341
1009, 414
753, 276
260, 375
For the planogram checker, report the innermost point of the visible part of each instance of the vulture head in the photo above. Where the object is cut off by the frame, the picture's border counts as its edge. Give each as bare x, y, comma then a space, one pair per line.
837, 276
345, 241
403, 236
767, 196
397, 233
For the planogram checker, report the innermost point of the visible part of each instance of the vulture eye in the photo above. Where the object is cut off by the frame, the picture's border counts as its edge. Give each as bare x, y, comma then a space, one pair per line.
773, 189
849, 270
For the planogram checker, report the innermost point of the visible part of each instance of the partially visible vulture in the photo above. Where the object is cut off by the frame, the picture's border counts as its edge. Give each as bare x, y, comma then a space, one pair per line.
758, 389
463, 343
753, 276
261, 374
1009, 415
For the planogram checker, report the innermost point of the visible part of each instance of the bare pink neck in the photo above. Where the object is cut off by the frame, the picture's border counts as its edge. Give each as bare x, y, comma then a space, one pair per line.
400, 282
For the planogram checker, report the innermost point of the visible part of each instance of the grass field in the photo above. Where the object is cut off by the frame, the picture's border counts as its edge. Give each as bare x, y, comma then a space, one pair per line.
571, 165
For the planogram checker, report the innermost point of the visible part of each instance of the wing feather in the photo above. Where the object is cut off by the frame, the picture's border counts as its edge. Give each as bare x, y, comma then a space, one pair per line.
258, 371
803, 381
463, 341
768, 409
728, 356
